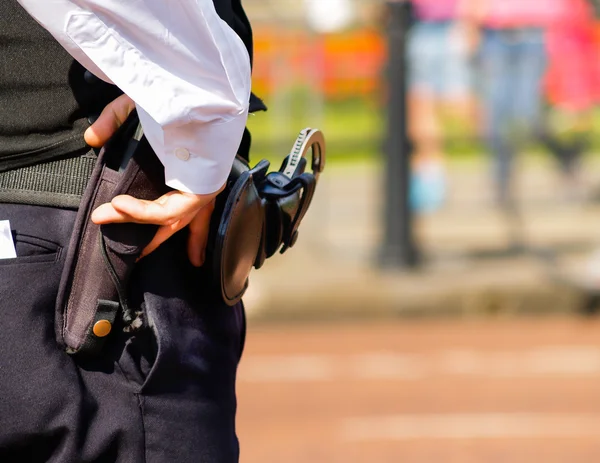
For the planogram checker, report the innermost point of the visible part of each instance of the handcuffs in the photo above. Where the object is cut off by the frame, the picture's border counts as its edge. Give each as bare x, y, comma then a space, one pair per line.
260, 213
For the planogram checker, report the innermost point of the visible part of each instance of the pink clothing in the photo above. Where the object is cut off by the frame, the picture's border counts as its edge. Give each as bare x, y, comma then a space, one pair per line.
573, 78
523, 13
435, 10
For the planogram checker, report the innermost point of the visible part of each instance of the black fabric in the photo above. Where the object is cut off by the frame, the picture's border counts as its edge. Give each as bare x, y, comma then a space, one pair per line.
232, 12
163, 393
46, 97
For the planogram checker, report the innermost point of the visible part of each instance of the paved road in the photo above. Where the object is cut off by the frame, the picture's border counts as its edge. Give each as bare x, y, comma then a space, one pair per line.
465, 269
515, 391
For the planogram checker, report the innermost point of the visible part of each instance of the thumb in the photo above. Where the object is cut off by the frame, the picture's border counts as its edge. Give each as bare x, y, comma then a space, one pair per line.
110, 120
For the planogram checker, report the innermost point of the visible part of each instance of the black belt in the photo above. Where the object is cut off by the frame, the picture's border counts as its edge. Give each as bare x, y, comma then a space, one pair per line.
58, 183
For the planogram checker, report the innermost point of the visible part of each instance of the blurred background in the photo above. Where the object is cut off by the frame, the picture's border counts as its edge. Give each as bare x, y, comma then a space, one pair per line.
441, 301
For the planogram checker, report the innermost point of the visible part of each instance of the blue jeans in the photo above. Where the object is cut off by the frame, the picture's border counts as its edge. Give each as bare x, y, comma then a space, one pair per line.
513, 62
436, 63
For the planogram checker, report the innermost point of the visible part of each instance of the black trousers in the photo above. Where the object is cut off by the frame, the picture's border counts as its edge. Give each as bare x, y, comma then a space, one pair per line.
162, 394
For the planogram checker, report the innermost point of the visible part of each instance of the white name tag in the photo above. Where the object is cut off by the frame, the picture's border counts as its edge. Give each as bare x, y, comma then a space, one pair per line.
7, 246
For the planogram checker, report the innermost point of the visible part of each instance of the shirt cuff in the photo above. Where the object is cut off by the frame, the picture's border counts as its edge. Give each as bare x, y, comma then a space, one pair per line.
197, 156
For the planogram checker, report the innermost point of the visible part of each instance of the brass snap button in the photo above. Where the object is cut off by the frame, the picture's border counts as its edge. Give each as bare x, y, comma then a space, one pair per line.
102, 328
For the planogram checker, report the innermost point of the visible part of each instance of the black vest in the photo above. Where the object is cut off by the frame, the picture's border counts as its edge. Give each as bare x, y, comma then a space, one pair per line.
46, 96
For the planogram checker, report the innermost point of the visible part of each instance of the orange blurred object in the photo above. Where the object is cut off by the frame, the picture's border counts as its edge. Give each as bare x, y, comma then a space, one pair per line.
340, 65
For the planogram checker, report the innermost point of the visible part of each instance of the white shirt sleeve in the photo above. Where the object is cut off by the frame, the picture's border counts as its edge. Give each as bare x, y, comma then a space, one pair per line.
186, 69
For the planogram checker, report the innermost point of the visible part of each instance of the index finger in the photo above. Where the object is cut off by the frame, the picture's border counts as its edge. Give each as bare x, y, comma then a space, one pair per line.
165, 210
126, 208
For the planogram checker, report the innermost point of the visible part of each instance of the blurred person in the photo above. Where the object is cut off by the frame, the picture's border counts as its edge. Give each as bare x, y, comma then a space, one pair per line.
439, 82
572, 86
512, 62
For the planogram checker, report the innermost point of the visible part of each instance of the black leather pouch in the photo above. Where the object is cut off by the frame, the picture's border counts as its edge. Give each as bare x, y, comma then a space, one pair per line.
100, 258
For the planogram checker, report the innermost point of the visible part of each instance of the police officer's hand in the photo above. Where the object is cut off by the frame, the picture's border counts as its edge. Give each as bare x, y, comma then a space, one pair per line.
112, 117
172, 212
